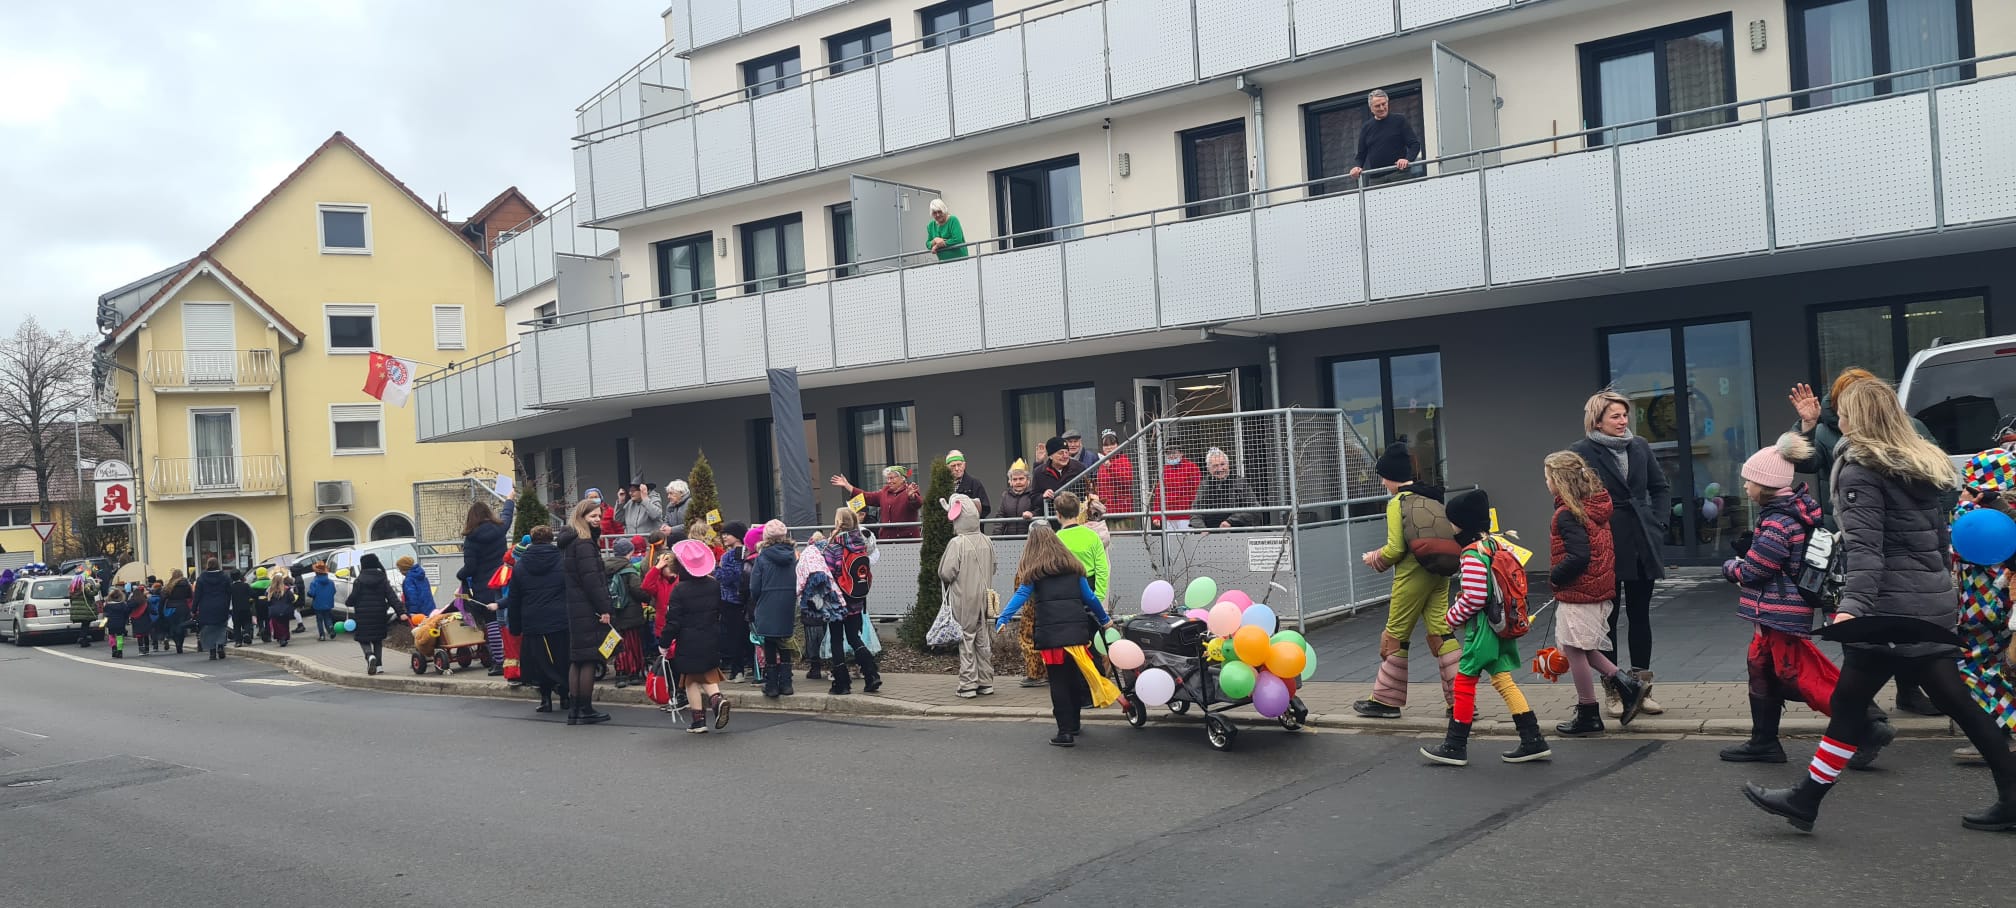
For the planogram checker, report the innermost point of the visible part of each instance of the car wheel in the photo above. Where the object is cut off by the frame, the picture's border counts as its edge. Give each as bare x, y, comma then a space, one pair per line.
20, 639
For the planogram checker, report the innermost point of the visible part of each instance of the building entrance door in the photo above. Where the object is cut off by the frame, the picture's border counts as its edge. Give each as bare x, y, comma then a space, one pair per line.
1208, 394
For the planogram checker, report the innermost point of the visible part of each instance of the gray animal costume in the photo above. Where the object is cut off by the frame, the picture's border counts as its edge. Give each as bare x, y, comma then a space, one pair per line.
967, 568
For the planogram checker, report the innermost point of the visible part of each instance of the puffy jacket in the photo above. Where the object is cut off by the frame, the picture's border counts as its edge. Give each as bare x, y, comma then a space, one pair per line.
1768, 573
82, 609
370, 601
1896, 536
213, 598
1584, 555
321, 593
1641, 506
242, 595
773, 592
175, 603
694, 618
538, 592
483, 553
280, 605
732, 572
419, 594
1013, 506
587, 595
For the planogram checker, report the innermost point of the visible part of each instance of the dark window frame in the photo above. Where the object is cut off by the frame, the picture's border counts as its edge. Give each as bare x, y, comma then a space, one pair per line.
1312, 134
1187, 143
1001, 207
1056, 392
703, 244
966, 28
1900, 331
1879, 47
842, 239
1591, 54
1385, 359
764, 492
783, 279
757, 83
855, 460
839, 61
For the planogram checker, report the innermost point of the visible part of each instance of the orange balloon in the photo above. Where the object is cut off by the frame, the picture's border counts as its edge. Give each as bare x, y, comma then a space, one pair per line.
1286, 660
1250, 643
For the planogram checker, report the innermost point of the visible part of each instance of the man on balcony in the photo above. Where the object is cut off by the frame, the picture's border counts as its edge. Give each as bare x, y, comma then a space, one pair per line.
1388, 141
1058, 469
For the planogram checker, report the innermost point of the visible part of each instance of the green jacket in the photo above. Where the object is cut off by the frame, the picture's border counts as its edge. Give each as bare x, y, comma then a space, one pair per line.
955, 238
1085, 544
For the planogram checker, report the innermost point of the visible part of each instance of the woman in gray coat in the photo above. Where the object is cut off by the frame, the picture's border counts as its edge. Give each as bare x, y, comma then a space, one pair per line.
1887, 488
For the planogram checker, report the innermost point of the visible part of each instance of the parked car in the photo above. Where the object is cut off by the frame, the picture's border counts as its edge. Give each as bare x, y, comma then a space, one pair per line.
38, 607
1963, 392
101, 567
389, 551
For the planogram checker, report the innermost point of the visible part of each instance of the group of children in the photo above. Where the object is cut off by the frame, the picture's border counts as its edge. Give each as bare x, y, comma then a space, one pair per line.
155, 613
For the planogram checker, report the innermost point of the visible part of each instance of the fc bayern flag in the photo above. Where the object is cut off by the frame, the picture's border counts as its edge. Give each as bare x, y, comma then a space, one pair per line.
391, 379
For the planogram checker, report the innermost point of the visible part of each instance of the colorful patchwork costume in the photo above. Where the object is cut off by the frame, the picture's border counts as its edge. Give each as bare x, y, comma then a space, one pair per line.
1986, 611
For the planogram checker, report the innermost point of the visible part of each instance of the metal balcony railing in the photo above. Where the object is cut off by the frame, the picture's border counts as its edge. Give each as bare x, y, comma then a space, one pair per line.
199, 477
700, 23
523, 257
212, 369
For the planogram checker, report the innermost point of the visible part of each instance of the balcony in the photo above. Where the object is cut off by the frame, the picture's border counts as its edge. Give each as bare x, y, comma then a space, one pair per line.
1052, 59
244, 476
700, 23
1900, 176
523, 258
177, 371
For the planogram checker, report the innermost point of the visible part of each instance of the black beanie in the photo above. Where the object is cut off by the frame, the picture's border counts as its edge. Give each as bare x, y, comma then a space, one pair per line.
1052, 446
1396, 465
1471, 513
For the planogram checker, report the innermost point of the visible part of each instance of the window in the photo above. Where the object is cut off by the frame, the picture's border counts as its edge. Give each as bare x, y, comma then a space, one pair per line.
345, 229
1039, 196
774, 73
1331, 128
685, 270
220, 536
1882, 336
559, 476
1214, 166
1839, 40
213, 448
844, 250
1657, 73
331, 533
879, 437
449, 333
548, 314
858, 49
16, 518
352, 329
769, 474
1041, 414
391, 526
773, 254
951, 23
1387, 398
356, 428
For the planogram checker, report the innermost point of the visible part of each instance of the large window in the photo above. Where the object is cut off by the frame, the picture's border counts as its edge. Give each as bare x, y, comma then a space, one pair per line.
1214, 165
219, 536
858, 49
1039, 196
844, 250
685, 270
357, 428
391, 526
16, 518
1388, 398
331, 533
1041, 414
213, 445
773, 254
1882, 335
1839, 40
1658, 73
773, 73
950, 23
1331, 129
879, 437
352, 328
769, 475
345, 229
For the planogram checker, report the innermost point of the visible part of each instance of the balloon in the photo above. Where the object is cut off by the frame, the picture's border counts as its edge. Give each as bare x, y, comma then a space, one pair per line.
1156, 597
1250, 644
1984, 537
1679, 508
1105, 636
1236, 679
349, 625
1215, 650
1126, 654
1286, 659
1237, 598
1260, 616
1309, 668
1714, 490
1155, 687
1224, 619
1202, 592
1711, 509
1270, 696
1196, 614
1294, 637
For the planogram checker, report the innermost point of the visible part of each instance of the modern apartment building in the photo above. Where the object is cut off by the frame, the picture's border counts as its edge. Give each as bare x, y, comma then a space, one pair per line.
1700, 203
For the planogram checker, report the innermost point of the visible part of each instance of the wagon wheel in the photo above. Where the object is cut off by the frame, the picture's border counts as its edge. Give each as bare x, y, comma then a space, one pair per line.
1179, 707
419, 664
1219, 731
1137, 713
462, 659
441, 660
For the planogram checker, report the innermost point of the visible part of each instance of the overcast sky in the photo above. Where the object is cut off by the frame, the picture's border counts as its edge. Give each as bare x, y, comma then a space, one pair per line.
133, 133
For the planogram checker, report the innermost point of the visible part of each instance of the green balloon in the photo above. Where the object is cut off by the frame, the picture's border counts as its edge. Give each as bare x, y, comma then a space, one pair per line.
1236, 679
1105, 636
1201, 593
1294, 637
1309, 664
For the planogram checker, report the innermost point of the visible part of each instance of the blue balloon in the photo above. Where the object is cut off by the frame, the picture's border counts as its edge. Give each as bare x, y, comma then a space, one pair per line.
1260, 616
1984, 537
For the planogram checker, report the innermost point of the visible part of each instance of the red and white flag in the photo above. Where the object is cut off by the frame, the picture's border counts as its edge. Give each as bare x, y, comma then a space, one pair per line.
391, 379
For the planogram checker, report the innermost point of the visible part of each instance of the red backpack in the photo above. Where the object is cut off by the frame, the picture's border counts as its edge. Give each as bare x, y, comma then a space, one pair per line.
1505, 611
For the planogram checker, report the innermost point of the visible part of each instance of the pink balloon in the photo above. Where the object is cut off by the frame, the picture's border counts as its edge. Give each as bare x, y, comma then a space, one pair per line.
1237, 598
1270, 696
1126, 654
1156, 597
1196, 614
1224, 619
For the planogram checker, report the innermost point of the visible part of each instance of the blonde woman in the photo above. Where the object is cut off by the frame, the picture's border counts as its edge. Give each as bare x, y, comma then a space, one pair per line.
1642, 501
588, 607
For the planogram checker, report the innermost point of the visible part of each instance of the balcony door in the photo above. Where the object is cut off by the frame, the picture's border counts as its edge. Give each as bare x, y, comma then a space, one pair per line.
1839, 40
1039, 197
208, 341
213, 446
1658, 73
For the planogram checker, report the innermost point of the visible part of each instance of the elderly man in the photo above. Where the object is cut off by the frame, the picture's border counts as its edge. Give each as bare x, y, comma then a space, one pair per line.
898, 501
1388, 141
965, 484
1227, 495
943, 236
1074, 443
638, 514
1058, 469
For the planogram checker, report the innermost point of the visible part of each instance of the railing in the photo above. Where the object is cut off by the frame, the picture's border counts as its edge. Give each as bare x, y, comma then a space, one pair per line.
1050, 59
523, 257
484, 390
720, 20
197, 477
631, 95
198, 369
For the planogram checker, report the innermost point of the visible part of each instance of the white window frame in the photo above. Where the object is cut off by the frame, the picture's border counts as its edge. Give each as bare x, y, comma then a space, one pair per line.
237, 430
7, 519
354, 452
460, 314
348, 207
353, 310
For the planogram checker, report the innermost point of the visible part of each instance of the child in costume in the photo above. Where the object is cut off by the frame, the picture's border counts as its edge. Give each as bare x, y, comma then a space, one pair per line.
730, 573
280, 605
1783, 663
1484, 652
1419, 595
1987, 614
83, 606
1584, 581
967, 572
117, 614
262, 580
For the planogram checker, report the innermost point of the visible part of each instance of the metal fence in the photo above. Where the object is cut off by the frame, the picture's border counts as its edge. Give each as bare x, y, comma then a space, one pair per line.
441, 506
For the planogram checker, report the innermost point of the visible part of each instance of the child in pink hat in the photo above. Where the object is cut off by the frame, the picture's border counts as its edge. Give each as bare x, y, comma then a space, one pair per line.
693, 634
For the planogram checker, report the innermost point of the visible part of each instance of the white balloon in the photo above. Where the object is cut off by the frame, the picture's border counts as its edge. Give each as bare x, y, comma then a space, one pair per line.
1155, 687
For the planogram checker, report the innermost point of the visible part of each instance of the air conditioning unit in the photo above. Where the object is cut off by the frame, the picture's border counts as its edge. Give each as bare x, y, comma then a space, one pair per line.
332, 495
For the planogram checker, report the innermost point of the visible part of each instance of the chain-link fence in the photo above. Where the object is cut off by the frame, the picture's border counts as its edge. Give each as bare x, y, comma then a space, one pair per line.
441, 506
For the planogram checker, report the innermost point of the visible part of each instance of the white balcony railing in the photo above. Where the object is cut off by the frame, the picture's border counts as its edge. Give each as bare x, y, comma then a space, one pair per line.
699, 23
1765, 182
199, 370
523, 257
1053, 58
484, 391
207, 477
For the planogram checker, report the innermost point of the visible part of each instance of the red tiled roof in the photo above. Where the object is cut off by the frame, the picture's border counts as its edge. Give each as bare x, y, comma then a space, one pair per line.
201, 262
491, 206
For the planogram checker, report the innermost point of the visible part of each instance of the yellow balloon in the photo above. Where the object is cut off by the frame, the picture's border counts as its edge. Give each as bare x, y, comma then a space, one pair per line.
1215, 650
1286, 660
1250, 643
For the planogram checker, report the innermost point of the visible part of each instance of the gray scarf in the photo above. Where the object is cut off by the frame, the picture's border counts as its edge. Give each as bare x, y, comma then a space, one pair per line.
1620, 448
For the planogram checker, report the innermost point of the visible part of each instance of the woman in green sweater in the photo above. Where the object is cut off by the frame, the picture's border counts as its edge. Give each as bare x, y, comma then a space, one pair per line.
943, 236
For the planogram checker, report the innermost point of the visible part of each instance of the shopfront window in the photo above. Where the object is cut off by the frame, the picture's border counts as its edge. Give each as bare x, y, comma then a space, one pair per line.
1694, 400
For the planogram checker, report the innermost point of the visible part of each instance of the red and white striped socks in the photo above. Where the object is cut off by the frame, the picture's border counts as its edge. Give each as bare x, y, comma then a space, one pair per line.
1829, 759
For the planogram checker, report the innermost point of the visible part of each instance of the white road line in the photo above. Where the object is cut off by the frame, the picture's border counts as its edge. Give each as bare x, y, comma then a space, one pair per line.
276, 682
20, 732
121, 665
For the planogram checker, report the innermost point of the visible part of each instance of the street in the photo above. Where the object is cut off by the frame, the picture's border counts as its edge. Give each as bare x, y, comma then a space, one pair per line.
139, 781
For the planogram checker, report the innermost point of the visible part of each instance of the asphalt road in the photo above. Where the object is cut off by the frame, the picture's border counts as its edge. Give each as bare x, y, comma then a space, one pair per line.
246, 786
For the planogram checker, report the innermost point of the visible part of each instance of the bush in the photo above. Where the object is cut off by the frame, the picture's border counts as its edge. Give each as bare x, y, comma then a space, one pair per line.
530, 514
937, 532
704, 496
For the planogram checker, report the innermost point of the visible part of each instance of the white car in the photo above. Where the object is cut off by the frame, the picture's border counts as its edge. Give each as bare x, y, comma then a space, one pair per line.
1964, 392
36, 606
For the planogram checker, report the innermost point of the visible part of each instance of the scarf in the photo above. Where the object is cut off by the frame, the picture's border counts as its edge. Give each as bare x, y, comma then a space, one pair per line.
1620, 448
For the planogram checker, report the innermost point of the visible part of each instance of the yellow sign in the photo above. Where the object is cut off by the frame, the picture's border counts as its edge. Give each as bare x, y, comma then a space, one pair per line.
714, 517
858, 503
1494, 520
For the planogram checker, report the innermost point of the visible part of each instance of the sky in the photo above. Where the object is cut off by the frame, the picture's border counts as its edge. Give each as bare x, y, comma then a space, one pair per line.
134, 132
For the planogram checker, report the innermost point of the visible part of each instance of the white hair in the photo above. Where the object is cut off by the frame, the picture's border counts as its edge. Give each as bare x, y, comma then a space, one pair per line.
937, 205
1216, 454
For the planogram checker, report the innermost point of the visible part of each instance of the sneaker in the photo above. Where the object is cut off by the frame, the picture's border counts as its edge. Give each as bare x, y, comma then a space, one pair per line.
968, 694
699, 726
1034, 682
721, 707
371, 665
1373, 709
1969, 756
986, 691
1646, 704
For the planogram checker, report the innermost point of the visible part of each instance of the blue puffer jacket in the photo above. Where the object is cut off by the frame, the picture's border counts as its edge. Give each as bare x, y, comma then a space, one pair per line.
418, 593
322, 593
213, 598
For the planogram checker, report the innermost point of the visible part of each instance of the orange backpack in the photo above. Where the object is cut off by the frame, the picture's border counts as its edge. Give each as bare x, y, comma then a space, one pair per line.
1505, 611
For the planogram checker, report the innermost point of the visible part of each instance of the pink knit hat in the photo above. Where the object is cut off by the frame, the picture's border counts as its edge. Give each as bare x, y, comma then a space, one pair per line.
1773, 467
753, 538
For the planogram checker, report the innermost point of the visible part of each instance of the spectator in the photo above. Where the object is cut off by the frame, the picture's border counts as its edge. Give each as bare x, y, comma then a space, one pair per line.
942, 235
588, 608
1019, 503
898, 501
968, 486
1178, 492
213, 609
773, 605
484, 541
677, 496
627, 602
1058, 469
1114, 481
1227, 499
538, 614
1075, 445
1388, 141
1642, 500
637, 515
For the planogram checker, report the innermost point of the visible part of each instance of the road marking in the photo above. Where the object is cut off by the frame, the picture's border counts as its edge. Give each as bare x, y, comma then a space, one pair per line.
20, 732
122, 666
276, 682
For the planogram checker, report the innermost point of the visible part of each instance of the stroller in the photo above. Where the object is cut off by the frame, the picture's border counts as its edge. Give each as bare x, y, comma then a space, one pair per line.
1176, 644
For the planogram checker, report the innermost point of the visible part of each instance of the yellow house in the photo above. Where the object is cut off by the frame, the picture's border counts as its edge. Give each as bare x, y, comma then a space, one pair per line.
239, 374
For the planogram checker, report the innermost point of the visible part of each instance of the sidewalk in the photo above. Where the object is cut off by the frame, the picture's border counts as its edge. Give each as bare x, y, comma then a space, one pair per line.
1712, 708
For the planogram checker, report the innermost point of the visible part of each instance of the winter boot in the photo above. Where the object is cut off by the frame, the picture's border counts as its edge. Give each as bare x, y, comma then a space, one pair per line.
1646, 704
589, 714
545, 702
814, 674
1799, 805
1588, 721
718, 705
773, 682
1531, 745
1763, 746
1630, 695
843, 681
1455, 747
2000, 816
871, 674
1881, 733
84, 638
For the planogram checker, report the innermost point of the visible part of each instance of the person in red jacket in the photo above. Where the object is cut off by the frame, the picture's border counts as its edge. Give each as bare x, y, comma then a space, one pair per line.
1180, 479
1584, 580
1115, 481
899, 501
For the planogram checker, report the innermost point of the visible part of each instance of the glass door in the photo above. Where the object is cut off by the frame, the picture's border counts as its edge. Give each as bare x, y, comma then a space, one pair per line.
1693, 398
213, 440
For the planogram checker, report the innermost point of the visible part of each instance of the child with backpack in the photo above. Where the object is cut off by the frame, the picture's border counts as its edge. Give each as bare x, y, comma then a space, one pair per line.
850, 556
737, 654
1783, 663
1491, 608
1584, 581
626, 616
1421, 551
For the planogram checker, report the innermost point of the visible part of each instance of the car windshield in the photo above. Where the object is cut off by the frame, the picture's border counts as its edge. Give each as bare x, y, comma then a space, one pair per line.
1963, 401
50, 589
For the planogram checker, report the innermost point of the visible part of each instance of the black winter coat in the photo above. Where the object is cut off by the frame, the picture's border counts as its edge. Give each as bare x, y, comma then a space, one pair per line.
371, 598
1641, 507
538, 592
175, 604
773, 592
213, 598
1061, 616
1013, 504
587, 595
1896, 538
242, 595
1219, 494
482, 555
693, 615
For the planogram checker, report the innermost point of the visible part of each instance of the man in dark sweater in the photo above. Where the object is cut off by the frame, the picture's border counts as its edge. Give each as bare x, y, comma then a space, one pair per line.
1387, 141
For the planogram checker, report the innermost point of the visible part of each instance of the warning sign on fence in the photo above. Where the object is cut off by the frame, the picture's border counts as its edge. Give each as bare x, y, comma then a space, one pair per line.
1266, 554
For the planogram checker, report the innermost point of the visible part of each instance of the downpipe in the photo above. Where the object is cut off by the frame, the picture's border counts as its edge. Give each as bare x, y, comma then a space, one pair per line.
1252, 89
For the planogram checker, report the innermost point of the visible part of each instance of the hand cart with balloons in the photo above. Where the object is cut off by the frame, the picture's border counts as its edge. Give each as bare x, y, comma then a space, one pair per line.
1222, 653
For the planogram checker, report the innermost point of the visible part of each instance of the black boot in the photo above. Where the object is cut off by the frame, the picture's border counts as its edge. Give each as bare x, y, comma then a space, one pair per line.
589, 714
1799, 805
1588, 721
871, 675
1630, 692
1913, 700
1763, 746
813, 674
1455, 747
773, 682
785, 681
1881, 733
843, 682
2000, 816
1531, 745
545, 702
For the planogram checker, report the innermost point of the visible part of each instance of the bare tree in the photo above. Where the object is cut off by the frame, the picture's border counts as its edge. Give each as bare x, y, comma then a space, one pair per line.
45, 384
